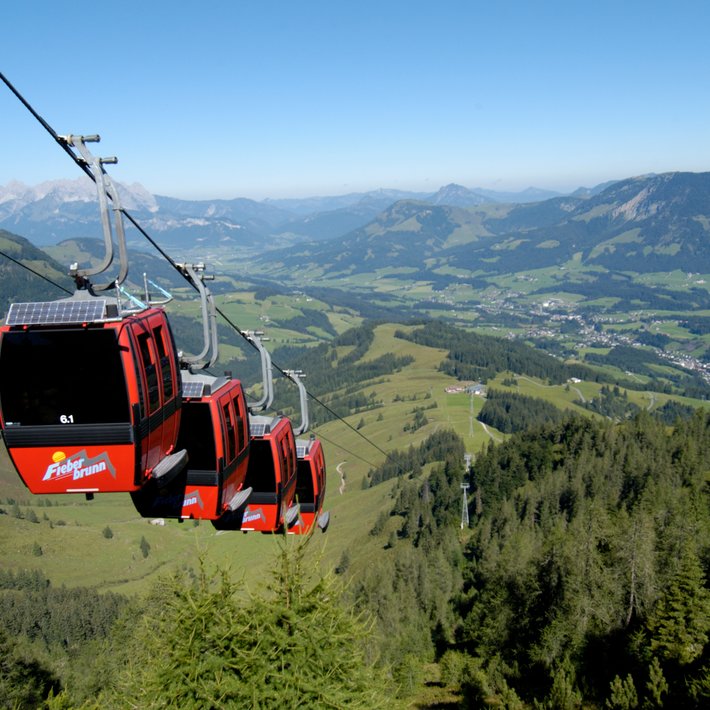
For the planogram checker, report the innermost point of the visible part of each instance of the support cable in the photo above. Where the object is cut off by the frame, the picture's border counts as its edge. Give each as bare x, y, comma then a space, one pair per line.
36, 273
347, 451
62, 142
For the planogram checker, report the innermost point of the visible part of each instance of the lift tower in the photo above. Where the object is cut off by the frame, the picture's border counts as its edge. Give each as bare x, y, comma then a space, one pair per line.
465, 487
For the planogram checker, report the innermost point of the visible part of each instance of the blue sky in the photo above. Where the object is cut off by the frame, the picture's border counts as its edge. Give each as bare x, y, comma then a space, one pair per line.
288, 99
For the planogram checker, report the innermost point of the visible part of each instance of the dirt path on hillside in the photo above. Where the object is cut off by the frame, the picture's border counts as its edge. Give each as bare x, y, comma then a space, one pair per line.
579, 392
539, 384
339, 469
490, 433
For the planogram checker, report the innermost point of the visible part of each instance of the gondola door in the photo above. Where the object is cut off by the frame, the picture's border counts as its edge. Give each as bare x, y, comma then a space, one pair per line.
310, 487
232, 412
169, 381
159, 391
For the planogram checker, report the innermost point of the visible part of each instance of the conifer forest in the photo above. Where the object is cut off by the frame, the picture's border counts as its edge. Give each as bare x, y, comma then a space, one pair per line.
580, 583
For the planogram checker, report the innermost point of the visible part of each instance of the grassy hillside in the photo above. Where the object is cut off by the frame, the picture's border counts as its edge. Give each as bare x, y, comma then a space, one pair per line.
70, 530
75, 551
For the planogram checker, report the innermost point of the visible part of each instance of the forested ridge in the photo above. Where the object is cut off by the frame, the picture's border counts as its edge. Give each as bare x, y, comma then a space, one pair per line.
69, 617
472, 356
480, 357
335, 376
18, 284
199, 640
586, 570
583, 580
509, 412
440, 446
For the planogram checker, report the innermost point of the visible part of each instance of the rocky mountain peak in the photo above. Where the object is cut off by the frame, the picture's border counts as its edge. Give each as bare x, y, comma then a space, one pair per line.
16, 195
457, 196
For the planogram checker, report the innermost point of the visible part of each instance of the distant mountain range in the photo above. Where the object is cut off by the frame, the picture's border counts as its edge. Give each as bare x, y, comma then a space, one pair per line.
643, 224
67, 209
652, 223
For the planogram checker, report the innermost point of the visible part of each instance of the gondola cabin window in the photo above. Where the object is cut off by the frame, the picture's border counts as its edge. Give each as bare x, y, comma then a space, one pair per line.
230, 432
241, 423
150, 372
304, 483
197, 436
62, 377
261, 476
283, 455
165, 363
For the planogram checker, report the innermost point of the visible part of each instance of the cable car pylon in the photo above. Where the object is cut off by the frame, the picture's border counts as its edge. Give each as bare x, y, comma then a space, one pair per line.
465, 486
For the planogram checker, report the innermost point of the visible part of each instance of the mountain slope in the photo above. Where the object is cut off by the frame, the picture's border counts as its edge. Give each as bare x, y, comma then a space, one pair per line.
643, 224
404, 235
457, 196
18, 284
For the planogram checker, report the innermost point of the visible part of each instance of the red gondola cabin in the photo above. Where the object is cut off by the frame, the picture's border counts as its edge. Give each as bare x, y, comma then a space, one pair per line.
214, 431
310, 487
271, 476
89, 398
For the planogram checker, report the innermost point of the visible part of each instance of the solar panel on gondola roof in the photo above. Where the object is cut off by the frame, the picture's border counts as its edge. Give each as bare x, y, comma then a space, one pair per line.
193, 389
301, 450
51, 312
258, 429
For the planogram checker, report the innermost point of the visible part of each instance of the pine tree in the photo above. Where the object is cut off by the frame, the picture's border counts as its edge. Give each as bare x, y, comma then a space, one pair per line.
24, 682
202, 645
317, 648
563, 695
680, 622
623, 694
657, 686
